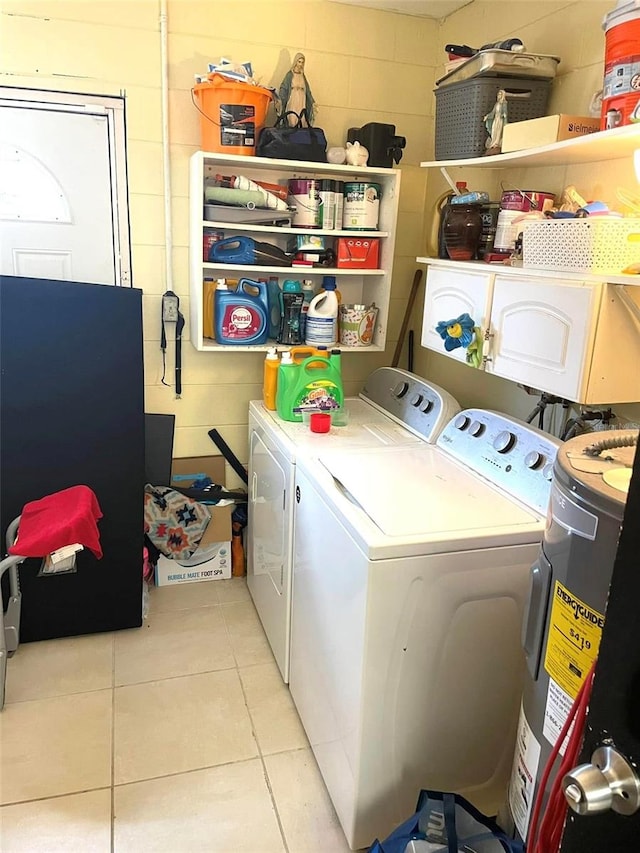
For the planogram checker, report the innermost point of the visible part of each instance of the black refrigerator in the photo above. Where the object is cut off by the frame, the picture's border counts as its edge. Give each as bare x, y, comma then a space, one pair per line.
72, 412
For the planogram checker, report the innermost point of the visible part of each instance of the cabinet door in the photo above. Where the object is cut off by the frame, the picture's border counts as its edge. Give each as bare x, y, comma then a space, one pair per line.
451, 293
543, 332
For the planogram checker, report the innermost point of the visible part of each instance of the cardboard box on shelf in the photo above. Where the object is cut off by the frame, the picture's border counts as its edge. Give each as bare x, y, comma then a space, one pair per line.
536, 132
358, 253
212, 559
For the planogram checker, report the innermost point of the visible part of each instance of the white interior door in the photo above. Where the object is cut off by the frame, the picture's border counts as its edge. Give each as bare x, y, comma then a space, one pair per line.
60, 203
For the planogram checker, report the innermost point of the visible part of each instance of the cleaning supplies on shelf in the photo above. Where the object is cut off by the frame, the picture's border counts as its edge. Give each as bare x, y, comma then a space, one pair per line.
313, 385
307, 294
270, 380
322, 316
246, 250
275, 309
291, 300
242, 315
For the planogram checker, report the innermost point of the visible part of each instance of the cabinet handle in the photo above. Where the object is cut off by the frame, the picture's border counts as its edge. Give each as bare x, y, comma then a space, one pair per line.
486, 347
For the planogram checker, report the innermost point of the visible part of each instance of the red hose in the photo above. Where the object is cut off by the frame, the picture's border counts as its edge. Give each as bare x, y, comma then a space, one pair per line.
547, 837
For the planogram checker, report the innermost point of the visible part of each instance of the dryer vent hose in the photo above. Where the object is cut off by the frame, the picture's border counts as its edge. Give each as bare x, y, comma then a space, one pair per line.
611, 443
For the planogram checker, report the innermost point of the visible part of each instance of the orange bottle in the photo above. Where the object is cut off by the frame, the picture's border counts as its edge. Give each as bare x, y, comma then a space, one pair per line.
270, 380
237, 550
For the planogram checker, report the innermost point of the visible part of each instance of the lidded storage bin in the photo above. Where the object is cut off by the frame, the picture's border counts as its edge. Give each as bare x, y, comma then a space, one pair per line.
596, 245
461, 108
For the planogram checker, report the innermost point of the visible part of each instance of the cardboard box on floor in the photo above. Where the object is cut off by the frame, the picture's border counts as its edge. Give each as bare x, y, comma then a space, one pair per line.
545, 130
212, 560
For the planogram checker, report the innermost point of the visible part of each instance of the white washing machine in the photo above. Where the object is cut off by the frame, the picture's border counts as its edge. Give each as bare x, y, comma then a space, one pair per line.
411, 569
394, 408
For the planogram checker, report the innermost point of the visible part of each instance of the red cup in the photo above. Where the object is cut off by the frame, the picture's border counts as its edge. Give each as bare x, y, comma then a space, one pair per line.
320, 422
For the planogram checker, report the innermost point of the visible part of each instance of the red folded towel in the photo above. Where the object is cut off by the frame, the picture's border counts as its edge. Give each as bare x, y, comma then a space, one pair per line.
60, 519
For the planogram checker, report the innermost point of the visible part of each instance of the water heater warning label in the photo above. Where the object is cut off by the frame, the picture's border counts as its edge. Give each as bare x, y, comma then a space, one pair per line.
574, 638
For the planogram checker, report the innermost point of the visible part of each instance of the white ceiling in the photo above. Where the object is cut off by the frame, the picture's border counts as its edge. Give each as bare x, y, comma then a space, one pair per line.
422, 8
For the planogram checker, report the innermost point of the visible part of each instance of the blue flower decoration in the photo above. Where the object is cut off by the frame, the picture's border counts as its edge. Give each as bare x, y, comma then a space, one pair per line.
456, 333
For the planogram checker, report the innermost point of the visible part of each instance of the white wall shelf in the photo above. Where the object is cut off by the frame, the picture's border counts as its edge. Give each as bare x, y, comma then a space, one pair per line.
480, 266
364, 286
569, 333
595, 147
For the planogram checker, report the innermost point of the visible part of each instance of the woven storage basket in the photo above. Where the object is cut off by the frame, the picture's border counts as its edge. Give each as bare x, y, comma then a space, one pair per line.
597, 245
461, 108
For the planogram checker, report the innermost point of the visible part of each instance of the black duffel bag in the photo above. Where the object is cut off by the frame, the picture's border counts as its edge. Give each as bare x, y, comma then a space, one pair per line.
300, 142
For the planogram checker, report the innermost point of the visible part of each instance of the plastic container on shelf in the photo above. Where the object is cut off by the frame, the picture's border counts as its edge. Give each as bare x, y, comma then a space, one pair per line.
232, 114
291, 300
329, 283
242, 315
313, 385
461, 231
322, 318
270, 380
275, 309
620, 94
461, 108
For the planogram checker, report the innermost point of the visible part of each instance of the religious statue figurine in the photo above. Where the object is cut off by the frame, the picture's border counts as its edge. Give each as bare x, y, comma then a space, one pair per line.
295, 94
495, 122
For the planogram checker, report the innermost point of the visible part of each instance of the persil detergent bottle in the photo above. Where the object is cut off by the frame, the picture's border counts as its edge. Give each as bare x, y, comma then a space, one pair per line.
314, 385
242, 315
322, 316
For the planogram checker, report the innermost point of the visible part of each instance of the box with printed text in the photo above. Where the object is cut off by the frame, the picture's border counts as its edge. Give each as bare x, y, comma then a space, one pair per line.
212, 559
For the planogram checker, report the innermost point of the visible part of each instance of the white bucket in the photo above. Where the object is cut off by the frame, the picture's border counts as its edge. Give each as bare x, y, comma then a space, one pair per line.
361, 206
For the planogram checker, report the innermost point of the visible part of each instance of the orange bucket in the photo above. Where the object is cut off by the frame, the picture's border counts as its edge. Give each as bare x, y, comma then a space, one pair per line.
232, 114
621, 92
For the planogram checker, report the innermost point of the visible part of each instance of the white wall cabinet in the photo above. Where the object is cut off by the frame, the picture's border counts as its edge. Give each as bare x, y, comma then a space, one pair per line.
356, 286
578, 339
570, 334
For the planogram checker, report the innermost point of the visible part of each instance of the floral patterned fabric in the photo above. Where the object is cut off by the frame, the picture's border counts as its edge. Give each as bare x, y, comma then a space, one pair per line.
175, 524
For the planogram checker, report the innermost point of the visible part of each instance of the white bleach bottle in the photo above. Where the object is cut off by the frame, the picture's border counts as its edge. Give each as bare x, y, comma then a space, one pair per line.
322, 316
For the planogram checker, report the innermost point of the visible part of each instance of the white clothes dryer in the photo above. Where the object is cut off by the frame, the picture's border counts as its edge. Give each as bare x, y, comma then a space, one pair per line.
411, 569
394, 408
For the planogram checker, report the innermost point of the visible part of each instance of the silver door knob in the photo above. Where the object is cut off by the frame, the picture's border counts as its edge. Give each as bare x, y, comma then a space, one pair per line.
609, 782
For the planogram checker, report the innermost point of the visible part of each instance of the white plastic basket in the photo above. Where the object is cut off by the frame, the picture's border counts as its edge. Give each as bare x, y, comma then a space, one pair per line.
598, 245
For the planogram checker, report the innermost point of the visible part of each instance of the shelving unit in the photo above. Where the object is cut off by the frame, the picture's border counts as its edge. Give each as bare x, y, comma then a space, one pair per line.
593, 148
356, 286
573, 334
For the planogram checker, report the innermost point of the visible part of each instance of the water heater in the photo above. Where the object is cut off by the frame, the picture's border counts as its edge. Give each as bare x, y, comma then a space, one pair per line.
567, 599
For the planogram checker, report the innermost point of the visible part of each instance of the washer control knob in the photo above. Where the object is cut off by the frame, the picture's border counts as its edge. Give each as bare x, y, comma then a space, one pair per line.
504, 441
533, 460
428, 405
416, 400
547, 471
476, 429
400, 390
461, 422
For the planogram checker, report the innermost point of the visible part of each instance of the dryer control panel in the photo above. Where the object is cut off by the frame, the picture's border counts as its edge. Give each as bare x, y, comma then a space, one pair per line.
508, 452
420, 406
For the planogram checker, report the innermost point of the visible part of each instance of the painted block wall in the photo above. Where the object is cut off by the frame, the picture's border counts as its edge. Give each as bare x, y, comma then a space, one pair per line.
363, 65
573, 31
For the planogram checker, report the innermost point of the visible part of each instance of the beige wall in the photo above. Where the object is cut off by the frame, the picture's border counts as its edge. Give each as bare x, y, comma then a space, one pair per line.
572, 31
363, 65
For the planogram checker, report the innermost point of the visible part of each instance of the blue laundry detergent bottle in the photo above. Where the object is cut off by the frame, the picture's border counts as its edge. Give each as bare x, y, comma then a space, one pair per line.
242, 315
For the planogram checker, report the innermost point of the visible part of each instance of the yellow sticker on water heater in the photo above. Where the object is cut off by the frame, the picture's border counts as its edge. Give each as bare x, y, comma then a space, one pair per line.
573, 640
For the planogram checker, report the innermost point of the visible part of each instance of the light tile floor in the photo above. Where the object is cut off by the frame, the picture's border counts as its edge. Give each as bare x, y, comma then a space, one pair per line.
178, 736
